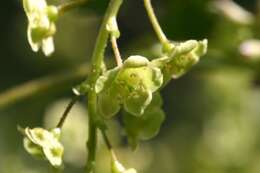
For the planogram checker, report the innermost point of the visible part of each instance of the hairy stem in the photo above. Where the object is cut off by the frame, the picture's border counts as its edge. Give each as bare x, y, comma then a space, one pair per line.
156, 26
97, 60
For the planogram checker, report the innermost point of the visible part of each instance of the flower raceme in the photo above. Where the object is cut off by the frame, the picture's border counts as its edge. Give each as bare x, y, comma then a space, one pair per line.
44, 144
133, 84
41, 25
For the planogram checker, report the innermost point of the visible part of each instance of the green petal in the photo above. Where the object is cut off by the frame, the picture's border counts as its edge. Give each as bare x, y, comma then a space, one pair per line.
54, 155
48, 46
134, 78
38, 33
145, 127
137, 102
106, 80
157, 101
32, 148
34, 5
34, 45
152, 121
108, 104
40, 136
117, 167
131, 170
135, 61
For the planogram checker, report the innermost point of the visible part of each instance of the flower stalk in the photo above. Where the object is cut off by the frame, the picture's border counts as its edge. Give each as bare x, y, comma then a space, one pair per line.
115, 48
63, 8
66, 112
154, 21
97, 61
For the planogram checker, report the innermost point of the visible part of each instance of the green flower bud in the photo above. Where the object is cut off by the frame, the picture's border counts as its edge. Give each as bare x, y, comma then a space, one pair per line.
52, 12
135, 61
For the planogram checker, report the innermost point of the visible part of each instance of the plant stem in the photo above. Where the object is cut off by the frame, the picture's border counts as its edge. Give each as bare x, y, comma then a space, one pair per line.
70, 5
97, 60
156, 26
91, 146
47, 84
67, 110
116, 51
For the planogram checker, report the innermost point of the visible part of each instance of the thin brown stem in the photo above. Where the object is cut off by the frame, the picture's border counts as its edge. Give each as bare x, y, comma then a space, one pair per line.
66, 112
108, 144
116, 51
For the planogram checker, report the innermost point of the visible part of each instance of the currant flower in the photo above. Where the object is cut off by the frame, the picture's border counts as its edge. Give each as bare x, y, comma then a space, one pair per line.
44, 144
41, 25
131, 85
180, 57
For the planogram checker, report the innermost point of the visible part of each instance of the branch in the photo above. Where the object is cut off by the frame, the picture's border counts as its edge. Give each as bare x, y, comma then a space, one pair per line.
42, 85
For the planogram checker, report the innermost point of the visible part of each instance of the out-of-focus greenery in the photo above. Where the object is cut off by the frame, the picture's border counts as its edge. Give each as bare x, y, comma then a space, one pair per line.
212, 113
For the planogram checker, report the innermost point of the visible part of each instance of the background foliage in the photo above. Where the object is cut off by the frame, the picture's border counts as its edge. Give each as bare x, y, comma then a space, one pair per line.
212, 112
